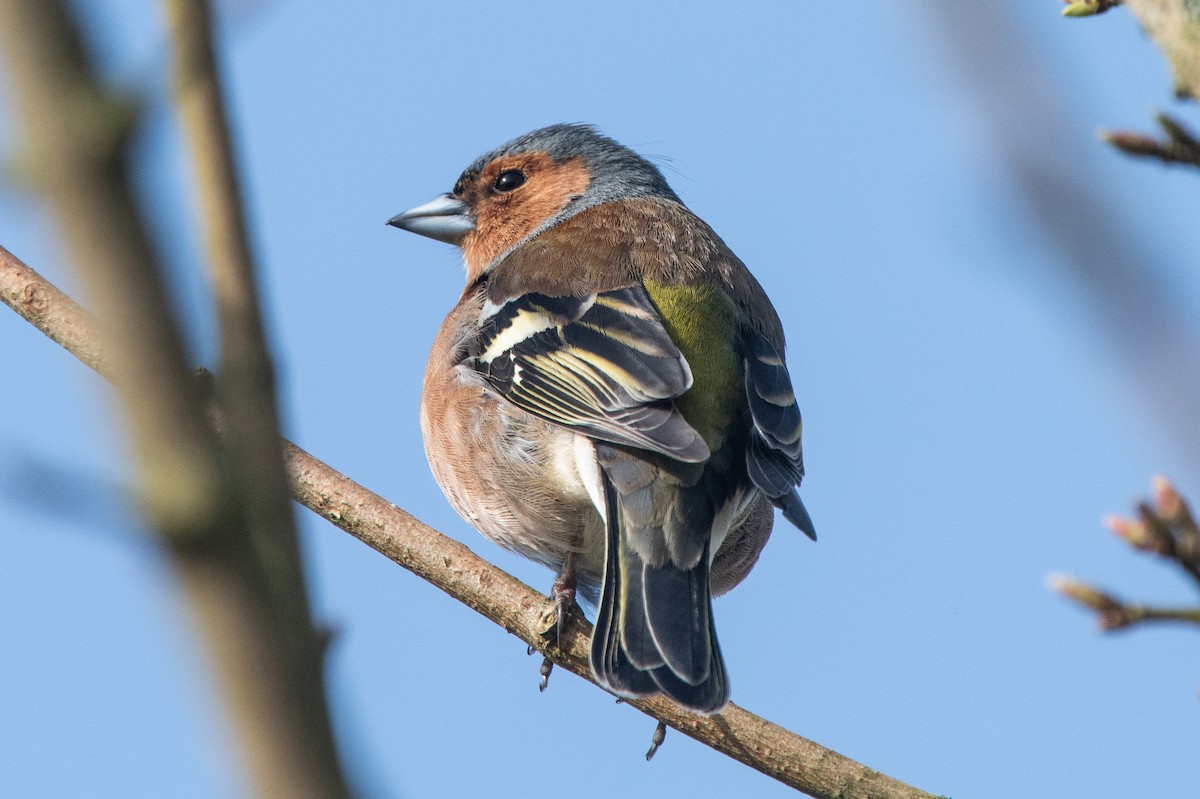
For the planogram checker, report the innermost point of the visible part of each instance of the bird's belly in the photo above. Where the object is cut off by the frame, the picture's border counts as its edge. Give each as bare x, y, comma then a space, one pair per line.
515, 478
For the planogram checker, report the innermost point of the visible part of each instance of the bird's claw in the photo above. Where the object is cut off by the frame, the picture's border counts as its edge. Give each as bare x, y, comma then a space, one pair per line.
555, 617
656, 740
563, 594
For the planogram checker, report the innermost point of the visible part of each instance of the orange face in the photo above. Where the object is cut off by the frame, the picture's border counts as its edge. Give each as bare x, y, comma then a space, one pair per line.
510, 197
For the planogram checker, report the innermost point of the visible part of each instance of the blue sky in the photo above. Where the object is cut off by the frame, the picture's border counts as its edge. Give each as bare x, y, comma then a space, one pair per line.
968, 417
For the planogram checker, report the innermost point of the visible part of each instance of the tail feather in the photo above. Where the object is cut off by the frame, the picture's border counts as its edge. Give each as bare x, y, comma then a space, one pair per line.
654, 631
636, 637
679, 616
709, 696
610, 660
795, 512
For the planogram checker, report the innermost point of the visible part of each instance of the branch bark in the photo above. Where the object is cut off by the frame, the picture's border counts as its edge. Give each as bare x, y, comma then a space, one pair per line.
750, 739
500, 597
245, 380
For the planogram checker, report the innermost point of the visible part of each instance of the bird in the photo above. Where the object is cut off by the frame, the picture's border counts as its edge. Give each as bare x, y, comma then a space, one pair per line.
609, 398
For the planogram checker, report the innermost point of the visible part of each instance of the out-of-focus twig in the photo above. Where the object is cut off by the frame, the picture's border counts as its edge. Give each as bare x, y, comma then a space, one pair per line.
1179, 146
789, 758
245, 381
245, 392
1024, 127
1166, 529
74, 137
1174, 25
1113, 613
74, 147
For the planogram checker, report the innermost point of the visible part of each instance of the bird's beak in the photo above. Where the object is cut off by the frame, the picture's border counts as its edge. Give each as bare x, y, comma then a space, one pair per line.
443, 218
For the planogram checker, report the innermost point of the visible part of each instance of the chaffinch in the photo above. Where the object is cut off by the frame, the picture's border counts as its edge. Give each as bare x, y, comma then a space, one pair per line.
609, 398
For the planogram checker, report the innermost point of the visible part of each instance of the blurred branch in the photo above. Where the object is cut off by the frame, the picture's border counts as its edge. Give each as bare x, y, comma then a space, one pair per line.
75, 149
1025, 129
1179, 147
245, 383
1167, 530
1174, 25
245, 391
500, 597
1112, 613
76, 133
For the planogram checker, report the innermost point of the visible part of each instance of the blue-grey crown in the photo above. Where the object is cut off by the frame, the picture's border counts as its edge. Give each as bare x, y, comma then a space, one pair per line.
617, 172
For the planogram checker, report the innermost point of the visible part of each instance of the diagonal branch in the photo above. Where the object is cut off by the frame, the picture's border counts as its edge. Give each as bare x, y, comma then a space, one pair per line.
766, 747
452, 567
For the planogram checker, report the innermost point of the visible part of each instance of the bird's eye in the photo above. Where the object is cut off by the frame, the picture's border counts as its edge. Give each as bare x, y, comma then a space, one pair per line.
509, 180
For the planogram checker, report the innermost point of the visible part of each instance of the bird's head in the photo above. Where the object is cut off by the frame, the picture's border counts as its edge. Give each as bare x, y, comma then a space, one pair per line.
536, 181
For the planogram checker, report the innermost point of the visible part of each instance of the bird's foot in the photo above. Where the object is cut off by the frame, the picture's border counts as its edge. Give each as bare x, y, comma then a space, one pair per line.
656, 740
563, 594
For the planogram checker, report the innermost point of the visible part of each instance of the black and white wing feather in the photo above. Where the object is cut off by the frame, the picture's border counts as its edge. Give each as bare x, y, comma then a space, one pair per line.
774, 461
602, 364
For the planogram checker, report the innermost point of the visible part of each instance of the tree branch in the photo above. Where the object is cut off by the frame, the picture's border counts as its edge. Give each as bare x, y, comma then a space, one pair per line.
245, 380
1112, 613
75, 147
1027, 132
257, 634
1166, 529
1174, 25
1179, 146
527, 614
452, 567
245, 383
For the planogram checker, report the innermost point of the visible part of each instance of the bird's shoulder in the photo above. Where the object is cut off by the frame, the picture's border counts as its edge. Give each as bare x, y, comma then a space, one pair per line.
654, 242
